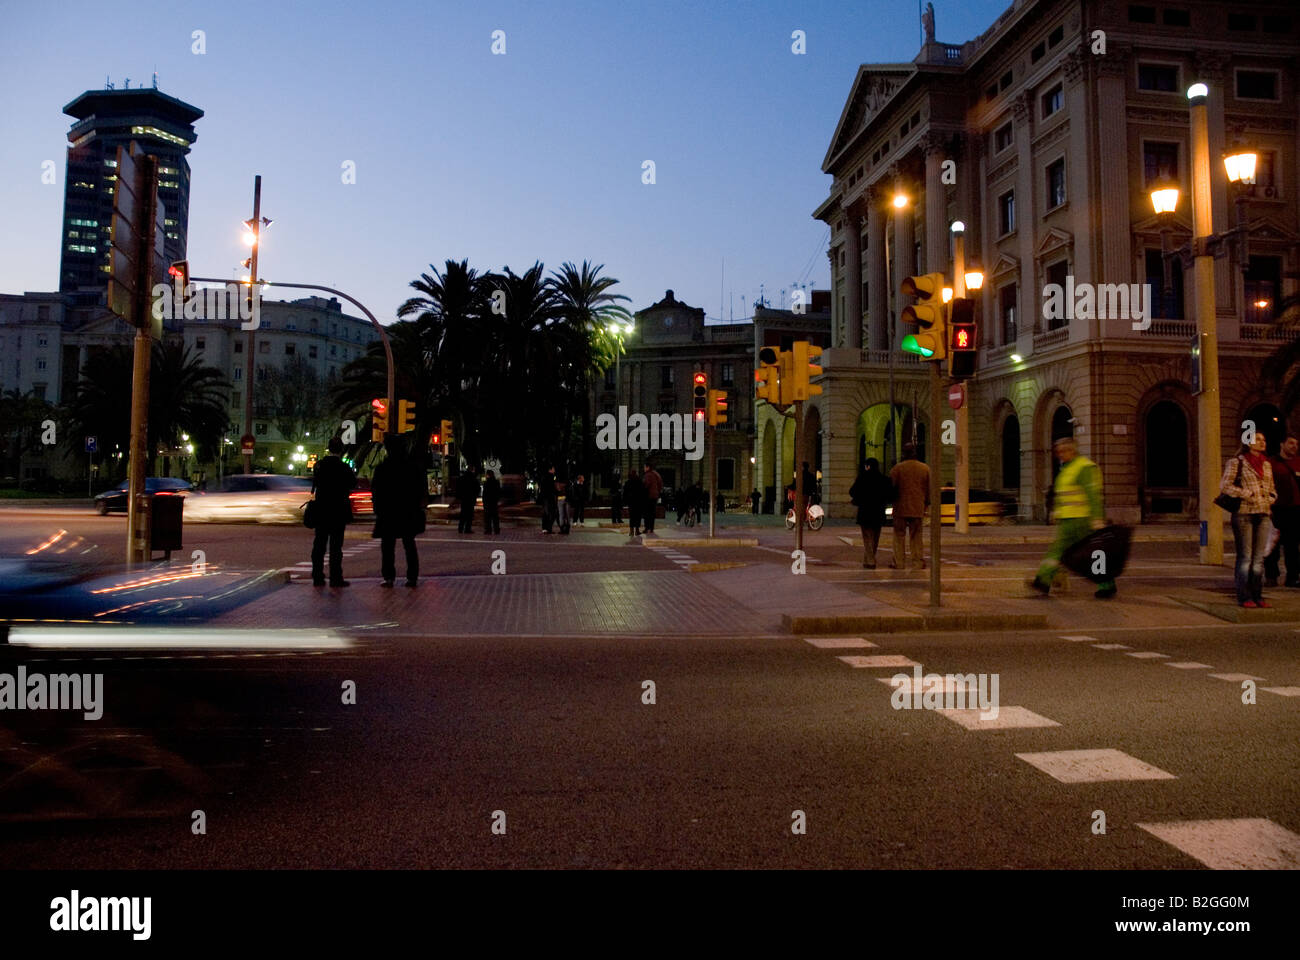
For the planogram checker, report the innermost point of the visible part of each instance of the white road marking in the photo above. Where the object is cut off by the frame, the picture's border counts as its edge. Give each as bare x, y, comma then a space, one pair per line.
1234, 677
1189, 665
1283, 691
884, 660
1079, 638
1007, 718
945, 684
838, 643
1112, 646
1246, 844
1093, 766
1147, 655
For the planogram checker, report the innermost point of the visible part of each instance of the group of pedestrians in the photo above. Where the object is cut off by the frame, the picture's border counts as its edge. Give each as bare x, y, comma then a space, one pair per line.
908, 488
468, 491
399, 492
1262, 494
639, 496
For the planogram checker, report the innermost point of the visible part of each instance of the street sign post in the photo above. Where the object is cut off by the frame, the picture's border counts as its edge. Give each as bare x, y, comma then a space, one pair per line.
957, 395
246, 444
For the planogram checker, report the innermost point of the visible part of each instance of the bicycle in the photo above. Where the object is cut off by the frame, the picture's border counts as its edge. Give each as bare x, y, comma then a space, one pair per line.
814, 517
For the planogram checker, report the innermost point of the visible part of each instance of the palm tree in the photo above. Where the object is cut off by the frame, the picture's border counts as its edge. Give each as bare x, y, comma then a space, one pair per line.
21, 415
594, 314
185, 396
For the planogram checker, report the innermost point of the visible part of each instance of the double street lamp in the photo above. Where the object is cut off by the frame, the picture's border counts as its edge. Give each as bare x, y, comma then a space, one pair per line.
1239, 165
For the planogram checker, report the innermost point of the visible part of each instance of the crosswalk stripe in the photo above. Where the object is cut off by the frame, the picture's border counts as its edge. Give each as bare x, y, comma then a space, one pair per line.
1111, 646
1245, 844
838, 643
884, 660
1283, 691
1148, 655
1234, 677
1093, 766
937, 684
1007, 718
1079, 638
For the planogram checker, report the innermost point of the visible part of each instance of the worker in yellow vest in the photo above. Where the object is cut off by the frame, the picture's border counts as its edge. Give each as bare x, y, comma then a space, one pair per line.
1077, 511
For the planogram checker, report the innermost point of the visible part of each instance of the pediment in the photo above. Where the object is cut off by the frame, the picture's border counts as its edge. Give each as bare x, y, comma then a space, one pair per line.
1269, 228
873, 88
1006, 264
1052, 241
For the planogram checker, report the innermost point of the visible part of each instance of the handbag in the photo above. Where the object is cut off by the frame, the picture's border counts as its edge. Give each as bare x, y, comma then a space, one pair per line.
309, 514
1230, 503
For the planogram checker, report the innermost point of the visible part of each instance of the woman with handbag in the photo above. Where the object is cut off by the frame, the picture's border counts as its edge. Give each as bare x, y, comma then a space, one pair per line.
1247, 492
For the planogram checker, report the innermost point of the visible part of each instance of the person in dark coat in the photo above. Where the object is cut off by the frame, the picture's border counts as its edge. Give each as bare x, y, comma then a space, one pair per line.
467, 491
546, 496
755, 499
491, 498
870, 492
331, 483
399, 491
634, 495
616, 501
654, 486
578, 500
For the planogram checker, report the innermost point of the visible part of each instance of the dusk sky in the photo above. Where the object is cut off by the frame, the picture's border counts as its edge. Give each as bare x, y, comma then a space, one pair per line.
459, 153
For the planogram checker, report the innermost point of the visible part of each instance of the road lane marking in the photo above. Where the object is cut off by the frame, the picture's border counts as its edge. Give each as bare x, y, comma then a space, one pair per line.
1008, 718
1093, 766
1189, 665
1235, 677
1079, 638
1245, 844
933, 683
1112, 646
838, 643
1147, 655
889, 660
1283, 691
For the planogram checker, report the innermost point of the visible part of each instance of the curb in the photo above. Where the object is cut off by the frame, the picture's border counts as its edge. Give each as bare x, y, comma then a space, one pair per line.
687, 543
710, 567
913, 623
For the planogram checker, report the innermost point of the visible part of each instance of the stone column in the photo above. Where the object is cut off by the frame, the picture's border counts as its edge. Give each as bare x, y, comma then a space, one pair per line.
877, 294
1078, 181
1113, 214
853, 277
1028, 299
936, 206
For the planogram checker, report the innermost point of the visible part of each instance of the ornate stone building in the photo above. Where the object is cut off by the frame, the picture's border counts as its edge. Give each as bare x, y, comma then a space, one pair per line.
1044, 135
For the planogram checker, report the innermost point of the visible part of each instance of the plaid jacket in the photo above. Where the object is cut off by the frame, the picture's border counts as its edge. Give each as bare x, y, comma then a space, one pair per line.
1257, 493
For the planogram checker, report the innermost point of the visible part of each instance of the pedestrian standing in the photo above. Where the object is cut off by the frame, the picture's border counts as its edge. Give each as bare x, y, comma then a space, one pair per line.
467, 494
910, 480
810, 492
578, 500
399, 492
634, 495
332, 481
616, 501
1249, 477
654, 486
755, 499
1286, 515
491, 500
869, 493
546, 495
1077, 510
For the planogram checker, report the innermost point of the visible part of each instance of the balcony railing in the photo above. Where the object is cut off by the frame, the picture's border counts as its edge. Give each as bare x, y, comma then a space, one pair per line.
881, 358
1051, 338
1171, 328
1265, 332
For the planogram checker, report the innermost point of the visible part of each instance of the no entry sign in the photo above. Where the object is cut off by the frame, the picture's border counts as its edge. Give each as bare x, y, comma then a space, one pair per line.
957, 395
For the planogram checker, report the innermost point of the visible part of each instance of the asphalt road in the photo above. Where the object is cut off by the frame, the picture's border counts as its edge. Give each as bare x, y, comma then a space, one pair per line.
555, 733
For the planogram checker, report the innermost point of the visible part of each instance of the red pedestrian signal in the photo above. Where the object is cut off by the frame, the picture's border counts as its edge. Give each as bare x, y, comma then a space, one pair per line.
961, 356
701, 382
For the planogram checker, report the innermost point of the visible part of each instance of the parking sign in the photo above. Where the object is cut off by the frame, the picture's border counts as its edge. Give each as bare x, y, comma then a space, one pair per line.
91, 444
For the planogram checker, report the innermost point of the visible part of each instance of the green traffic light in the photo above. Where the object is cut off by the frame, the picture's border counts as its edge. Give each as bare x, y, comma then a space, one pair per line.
911, 345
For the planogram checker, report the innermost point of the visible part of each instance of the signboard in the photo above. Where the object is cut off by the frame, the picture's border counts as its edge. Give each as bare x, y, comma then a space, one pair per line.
246, 443
91, 444
957, 396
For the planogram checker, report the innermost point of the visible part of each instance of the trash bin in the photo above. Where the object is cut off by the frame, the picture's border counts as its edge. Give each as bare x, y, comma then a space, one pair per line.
165, 522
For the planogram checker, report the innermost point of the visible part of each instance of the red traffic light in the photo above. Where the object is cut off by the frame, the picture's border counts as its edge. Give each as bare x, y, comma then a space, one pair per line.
701, 379
962, 339
380, 406
699, 414
435, 439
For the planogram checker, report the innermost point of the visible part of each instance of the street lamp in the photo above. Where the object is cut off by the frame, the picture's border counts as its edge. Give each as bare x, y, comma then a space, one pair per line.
974, 277
1164, 200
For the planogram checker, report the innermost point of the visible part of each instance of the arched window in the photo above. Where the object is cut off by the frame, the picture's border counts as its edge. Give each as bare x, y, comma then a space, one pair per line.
1011, 453
1166, 446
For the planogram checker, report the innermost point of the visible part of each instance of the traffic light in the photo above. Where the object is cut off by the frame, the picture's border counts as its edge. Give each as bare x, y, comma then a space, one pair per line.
435, 439
378, 420
179, 272
802, 366
930, 341
767, 377
717, 407
405, 416
963, 346
701, 395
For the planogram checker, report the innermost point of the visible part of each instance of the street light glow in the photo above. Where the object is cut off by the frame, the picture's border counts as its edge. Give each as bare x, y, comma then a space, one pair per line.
900, 200
1016, 358
1240, 166
1197, 90
958, 226
1164, 198
974, 278
947, 294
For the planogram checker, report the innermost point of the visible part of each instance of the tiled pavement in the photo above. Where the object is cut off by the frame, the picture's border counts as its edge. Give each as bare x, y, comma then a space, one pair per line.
668, 603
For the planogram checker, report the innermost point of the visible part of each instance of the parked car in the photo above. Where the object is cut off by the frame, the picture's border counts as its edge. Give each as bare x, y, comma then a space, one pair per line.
114, 501
250, 498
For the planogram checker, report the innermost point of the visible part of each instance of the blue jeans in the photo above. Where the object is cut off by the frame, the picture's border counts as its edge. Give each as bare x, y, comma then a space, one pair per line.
1250, 531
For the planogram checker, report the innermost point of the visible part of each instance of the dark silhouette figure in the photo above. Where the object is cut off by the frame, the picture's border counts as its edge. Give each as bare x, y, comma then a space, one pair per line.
755, 499
616, 501
870, 492
634, 495
578, 500
331, 482
546, 496
654, 486
399, 491
491, 498
467, 491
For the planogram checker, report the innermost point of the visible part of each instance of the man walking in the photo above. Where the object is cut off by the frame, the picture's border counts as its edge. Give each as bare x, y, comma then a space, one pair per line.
546, 495
1077, 510
331, 482
491, 499
1286, 515
654, 486
870, 493
399, 492
910, 479
467, 494
616, 500
578, 500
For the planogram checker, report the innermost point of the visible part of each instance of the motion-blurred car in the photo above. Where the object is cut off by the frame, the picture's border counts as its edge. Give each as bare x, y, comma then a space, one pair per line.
114, 501
363, 507
250, 498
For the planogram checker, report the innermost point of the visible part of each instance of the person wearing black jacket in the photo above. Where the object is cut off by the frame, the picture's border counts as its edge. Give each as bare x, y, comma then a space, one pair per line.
634, 496
467, 494
546, 496
331, 483
491, 498
869, 493
399, 491
616, 501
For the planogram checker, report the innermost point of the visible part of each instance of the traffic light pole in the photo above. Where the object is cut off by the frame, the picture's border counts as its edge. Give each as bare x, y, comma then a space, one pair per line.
713, 477
961, 495
137, 521
798, 475
251, 360
936, 489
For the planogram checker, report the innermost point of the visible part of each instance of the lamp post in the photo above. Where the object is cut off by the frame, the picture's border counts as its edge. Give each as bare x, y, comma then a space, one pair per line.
1164, 200
900, 202
964, 278
618, 331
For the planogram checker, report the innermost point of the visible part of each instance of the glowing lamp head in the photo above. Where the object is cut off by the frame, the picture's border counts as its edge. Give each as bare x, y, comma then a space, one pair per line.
1164, 198
958, 227
947, 294
1197, 91
1262, 304
974, 279
1240, 166
900, 201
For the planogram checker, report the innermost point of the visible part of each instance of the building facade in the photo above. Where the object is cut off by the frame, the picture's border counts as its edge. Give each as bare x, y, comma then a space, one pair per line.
105, 120
668, 344
1045, 136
